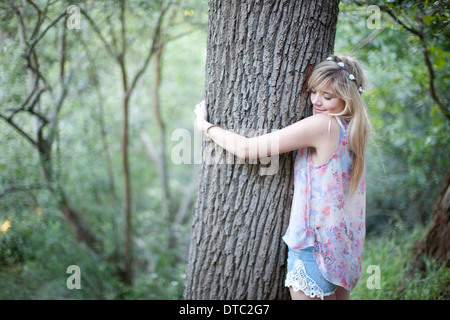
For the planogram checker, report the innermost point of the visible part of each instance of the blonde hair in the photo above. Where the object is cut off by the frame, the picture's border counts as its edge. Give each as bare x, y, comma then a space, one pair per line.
337, 76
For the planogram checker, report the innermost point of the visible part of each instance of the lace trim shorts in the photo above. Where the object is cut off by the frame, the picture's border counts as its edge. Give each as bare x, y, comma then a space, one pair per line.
304, 274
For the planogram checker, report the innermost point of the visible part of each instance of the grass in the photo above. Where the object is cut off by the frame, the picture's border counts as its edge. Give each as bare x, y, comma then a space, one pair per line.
391, 256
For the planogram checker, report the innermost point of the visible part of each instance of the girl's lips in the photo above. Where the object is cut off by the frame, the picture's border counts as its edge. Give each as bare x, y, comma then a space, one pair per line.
318, 110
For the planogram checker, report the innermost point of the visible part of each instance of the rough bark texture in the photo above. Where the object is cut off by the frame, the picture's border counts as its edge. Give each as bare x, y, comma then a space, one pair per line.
260, 54
436, 243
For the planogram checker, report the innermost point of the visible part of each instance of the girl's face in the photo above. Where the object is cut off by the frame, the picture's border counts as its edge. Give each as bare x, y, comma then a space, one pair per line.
326, 101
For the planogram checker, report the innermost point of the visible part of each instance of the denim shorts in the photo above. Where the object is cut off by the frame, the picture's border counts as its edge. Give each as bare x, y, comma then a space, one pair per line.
304, 274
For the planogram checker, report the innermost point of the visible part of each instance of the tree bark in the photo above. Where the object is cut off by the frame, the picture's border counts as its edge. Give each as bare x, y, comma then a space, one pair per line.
259, 56
436, 242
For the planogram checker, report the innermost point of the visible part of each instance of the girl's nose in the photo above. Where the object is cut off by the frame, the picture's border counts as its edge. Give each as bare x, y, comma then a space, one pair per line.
316, 100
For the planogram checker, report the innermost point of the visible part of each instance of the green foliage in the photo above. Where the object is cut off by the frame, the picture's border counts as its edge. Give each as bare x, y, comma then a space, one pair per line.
35, 253
406, 162
408, 155
36, 249
391, 252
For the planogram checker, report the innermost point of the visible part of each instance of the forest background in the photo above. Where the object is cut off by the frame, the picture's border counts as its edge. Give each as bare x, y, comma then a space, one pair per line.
76, 75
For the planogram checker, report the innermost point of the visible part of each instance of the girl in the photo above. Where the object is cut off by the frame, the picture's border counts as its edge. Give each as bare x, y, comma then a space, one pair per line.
327, 222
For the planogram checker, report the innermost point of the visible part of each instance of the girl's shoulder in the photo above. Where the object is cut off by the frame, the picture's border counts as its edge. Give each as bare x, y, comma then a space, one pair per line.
322, 122
308, 132
320, 118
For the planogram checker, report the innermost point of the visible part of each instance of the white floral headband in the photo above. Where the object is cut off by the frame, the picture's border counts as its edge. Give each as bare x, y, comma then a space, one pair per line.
350, 76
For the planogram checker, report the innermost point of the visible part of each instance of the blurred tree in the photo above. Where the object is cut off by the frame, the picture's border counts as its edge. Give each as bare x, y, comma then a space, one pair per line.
118, 48
34, 23
68, 47
260, 54
116, 41
436, 242
428, 21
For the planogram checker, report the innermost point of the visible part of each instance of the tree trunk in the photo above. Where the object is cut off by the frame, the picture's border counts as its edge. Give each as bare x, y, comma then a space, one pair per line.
436, 242
82, 232
46, 125
128, 250
259, 56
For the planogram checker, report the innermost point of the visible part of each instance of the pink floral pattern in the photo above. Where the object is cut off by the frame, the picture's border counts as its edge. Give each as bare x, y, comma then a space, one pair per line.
324, 214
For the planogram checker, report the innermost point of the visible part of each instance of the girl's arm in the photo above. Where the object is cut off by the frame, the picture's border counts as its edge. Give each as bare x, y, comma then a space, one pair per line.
308, 132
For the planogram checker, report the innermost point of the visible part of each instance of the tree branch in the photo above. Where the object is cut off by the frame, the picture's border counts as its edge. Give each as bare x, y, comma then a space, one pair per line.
36, 93
35, 41
58, 104
431, 78
367, 40
12, 188
97, 31
426, 54
154, 47
397, 19
18, 129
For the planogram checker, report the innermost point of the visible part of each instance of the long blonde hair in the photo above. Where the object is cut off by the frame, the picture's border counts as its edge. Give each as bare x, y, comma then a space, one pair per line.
332, 72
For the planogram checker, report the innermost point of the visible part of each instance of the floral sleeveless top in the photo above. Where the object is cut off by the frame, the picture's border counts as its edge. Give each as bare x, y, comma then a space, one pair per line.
326, 216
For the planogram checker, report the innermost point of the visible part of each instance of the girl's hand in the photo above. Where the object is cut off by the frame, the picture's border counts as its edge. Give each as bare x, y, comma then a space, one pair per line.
202, 116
